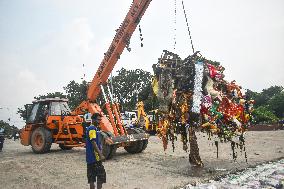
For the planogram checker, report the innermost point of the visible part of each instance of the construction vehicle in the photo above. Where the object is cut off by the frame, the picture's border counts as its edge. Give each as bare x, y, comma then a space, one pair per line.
51, 121
129, 118
147, 122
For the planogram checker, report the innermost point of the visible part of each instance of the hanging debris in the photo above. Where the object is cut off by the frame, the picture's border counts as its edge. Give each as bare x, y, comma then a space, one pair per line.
193, 94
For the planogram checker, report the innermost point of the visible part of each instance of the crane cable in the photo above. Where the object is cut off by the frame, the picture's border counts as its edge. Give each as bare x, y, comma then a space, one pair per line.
175, 25
187, 27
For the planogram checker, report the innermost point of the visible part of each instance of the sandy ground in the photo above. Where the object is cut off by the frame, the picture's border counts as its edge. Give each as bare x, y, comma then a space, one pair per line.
21, 168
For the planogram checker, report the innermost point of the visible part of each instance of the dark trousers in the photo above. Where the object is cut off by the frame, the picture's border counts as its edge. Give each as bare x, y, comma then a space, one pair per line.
1, 144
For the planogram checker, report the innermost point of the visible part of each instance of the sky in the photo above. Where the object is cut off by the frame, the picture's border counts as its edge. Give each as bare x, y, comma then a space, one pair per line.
44, 44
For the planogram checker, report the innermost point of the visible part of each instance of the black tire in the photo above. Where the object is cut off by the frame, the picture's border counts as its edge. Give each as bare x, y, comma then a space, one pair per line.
134, 147
65, 147
109, 150
41, 140
106, 150
145, 144
113, 151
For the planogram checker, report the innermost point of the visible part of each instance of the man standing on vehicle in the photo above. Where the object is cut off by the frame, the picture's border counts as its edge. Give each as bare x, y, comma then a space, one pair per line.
94, 157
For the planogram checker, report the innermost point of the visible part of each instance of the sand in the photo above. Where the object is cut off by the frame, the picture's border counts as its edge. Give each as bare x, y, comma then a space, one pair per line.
153, 168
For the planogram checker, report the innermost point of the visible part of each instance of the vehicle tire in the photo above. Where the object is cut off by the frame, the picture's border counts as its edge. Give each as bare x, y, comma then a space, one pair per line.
41, 140
145, 144
65, 147
113, 151
134, 147
109, 150
106, 150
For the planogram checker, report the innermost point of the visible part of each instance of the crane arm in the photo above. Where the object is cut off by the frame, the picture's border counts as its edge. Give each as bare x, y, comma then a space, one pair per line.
120, 41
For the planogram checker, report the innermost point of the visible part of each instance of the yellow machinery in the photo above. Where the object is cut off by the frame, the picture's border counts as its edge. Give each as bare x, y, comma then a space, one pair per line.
149, 125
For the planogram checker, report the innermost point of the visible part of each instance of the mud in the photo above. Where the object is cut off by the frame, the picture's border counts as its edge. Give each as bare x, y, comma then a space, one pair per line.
21, 168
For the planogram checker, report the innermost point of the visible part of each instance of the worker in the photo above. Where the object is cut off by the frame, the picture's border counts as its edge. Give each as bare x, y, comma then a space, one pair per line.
1, 139
94, 157
15, 135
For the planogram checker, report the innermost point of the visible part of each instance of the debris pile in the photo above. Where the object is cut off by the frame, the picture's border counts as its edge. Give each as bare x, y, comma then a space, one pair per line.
193, 95
269, 175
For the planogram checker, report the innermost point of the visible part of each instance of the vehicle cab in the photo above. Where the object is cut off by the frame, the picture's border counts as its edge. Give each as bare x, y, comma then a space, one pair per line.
41, 109
128, 118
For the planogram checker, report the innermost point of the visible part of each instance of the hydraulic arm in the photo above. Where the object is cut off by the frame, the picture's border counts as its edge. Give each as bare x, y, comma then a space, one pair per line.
51, 120
120, 41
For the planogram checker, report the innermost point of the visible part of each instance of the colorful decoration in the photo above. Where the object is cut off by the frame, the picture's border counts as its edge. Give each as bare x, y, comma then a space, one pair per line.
193, 95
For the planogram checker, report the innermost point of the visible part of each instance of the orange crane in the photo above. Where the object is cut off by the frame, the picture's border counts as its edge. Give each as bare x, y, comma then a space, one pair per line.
51, 121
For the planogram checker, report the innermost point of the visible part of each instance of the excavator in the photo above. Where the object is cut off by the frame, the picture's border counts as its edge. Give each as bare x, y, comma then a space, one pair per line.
51, 121
148, 123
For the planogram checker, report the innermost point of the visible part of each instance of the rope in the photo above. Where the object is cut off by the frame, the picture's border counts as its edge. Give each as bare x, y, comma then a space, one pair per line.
187, 26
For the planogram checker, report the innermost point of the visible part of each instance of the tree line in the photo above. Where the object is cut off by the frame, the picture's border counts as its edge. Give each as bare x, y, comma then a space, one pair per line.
8, 129
131, 86
269, 104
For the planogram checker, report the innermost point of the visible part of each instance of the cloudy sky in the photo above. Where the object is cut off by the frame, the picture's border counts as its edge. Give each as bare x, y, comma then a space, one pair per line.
44, 43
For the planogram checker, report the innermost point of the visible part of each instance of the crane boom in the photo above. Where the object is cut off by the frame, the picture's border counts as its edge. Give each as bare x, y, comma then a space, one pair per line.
68, 128
120, 41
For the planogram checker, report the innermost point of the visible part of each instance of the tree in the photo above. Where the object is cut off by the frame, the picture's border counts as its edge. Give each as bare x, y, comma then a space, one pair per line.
266, 94
149, 99
76, 93
8, 129
128, 85
276, 104
269, 104
50, 95
264, 114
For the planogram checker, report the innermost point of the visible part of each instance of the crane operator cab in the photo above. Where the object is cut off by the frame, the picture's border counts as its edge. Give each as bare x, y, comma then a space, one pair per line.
41, 109
49, 120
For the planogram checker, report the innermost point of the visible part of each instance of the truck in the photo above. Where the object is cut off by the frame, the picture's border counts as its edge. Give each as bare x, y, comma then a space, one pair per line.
129, 118
51, 120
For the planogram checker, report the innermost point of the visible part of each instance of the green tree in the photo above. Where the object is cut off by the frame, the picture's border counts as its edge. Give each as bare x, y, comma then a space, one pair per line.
76, 93
262, 98
50, 95
8, 129
22, 112
276, 104
269, 104
264, 114
128, 85
149, 99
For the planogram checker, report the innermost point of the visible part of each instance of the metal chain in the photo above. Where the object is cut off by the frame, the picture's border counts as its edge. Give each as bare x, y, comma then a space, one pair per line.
84, 73
187, 26
141, 36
